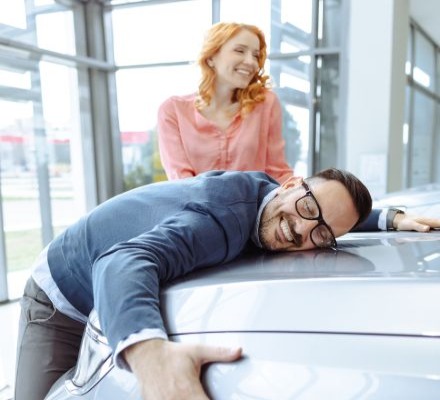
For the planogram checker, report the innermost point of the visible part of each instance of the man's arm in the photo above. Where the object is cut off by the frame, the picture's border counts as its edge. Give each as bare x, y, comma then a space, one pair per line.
127, 280
397, 221
405, 222
171, 371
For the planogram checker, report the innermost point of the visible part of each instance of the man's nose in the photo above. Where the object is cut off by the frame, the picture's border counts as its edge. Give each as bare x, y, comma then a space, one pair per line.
305, 227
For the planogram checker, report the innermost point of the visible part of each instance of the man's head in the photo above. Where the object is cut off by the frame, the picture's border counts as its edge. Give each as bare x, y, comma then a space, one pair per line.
313, 212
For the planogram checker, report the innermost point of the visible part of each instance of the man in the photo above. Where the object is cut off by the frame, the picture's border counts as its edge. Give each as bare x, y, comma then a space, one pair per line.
116, 257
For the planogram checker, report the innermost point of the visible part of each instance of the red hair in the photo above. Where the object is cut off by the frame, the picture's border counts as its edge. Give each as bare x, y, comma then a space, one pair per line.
215, 38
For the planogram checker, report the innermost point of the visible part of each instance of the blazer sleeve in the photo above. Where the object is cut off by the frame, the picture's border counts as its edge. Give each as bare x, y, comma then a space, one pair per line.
371, 224
127, 278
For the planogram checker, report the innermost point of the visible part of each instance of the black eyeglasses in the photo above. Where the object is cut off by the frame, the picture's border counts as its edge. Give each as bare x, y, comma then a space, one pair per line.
308, 208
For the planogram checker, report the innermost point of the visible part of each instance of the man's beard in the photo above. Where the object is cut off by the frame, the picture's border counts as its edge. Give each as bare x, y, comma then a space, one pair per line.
264, 228
262, 234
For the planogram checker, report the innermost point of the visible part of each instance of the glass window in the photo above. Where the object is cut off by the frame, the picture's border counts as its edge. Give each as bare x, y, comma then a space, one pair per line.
291, 82
21, 212
14, 79
436, 177
48, 25
422, 143
424, 63
61, 114
405, 134
329, 23
409, 52
160, 33
438, 72
140, 93
294, 31
41, 162
287, 28
55, 31
239, 11
298, 13
13, 13
421, 132
327, 118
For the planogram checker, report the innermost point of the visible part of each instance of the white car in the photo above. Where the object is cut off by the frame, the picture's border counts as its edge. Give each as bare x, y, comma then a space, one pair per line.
362, 322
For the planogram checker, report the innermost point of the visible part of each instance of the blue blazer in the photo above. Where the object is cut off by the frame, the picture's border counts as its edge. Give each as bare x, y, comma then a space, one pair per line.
116, 257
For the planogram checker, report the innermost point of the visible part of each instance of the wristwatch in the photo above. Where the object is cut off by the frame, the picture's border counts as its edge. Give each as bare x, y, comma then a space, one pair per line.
392, 212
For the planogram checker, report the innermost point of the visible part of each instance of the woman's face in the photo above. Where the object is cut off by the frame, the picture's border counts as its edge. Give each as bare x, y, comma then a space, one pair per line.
236, 63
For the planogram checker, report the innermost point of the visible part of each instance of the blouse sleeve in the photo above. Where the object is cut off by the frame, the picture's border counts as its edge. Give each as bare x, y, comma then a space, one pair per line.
276, 164
172, 153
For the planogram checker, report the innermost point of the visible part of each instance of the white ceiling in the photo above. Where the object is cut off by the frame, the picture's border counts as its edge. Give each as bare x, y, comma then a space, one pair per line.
427, 14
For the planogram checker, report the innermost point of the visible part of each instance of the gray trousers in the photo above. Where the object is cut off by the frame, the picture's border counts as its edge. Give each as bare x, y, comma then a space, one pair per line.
48, 344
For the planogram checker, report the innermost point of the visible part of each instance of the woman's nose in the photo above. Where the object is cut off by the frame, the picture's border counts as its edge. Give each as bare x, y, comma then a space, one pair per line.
250, 59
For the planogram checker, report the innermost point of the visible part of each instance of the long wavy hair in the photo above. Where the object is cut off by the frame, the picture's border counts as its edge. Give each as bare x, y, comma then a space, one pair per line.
215, 38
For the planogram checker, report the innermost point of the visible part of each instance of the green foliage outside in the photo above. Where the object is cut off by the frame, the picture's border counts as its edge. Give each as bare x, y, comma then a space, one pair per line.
22, 248
137, 177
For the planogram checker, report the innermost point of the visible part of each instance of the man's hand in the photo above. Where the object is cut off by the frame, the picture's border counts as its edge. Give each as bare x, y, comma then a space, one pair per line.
405, 222
168, 371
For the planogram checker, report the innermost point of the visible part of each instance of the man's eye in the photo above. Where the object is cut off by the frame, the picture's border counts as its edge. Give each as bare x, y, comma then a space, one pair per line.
307, 208
324, 234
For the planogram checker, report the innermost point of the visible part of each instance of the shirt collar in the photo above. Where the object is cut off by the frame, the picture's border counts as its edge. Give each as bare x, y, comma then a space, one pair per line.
255, 237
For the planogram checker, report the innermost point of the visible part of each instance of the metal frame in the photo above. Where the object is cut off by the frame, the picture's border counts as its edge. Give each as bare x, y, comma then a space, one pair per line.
106, 141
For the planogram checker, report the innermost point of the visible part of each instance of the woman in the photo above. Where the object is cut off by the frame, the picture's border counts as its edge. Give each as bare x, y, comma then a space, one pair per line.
234, 122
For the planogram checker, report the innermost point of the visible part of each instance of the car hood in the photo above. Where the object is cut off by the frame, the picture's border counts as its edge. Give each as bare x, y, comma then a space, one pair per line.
376, 283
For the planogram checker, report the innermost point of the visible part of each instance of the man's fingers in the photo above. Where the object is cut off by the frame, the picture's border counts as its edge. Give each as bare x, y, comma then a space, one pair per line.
422, 227
420, 224
207, 354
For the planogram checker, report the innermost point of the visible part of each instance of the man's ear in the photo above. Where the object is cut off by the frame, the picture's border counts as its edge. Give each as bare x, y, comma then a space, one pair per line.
293, 181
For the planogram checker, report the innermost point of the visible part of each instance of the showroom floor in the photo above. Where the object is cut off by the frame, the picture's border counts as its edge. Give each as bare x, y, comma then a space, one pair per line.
9, 314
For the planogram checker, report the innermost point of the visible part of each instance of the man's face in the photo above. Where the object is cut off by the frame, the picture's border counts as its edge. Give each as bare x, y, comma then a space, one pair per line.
283, 226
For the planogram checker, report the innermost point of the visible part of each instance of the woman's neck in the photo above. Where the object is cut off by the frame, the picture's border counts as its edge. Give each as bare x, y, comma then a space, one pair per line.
221, 110
222, 100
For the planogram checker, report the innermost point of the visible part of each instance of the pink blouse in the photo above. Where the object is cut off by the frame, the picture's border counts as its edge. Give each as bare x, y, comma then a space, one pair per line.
190, 144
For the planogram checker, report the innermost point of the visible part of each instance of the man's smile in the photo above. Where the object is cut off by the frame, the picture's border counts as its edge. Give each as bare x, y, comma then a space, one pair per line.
286, 230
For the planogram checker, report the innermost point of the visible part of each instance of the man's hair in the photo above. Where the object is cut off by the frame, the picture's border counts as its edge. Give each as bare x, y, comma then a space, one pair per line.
358, 191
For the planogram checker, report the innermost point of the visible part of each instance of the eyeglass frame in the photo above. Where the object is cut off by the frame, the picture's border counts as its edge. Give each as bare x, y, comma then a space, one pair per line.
333, 245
